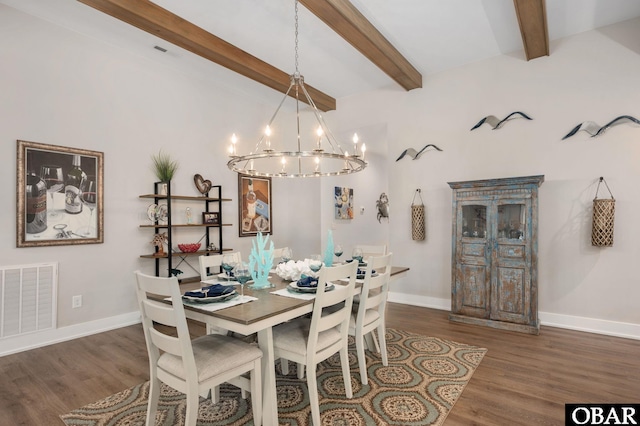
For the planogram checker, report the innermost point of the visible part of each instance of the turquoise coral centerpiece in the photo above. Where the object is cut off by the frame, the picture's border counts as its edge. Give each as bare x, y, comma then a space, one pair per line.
261, 261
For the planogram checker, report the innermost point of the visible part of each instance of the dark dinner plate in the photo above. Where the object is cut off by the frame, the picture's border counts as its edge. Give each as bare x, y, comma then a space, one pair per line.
212, 299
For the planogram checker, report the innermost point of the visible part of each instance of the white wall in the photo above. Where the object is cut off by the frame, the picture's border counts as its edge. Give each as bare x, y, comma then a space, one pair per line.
588, 77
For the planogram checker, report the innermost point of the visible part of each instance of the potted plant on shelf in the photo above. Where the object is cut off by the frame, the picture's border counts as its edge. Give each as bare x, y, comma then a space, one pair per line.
164, 168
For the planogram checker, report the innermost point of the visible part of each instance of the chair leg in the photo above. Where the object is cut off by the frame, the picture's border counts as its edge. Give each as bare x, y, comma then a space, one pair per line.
191, 416
372, 345
312, 386
215, 395
300, 371
362, 360
346, 374
152, 407
284, 366
383, 344
256, 393
375, 342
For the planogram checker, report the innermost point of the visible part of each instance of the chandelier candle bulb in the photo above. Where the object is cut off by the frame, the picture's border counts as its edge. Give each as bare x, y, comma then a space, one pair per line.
319, 133
364, 149
267, 133
232, 148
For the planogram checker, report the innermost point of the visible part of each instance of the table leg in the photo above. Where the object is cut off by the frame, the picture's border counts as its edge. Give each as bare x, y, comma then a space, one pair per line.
269, 394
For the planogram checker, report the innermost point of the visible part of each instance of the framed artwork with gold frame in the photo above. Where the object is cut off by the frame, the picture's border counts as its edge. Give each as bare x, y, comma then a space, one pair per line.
59, 195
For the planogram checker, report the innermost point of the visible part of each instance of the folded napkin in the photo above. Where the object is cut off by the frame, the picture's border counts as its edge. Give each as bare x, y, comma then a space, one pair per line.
306, 281
211, 291
362, 272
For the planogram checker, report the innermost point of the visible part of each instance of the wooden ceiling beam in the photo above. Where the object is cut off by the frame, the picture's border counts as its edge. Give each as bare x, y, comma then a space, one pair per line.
348, 22
532, 18
155, 20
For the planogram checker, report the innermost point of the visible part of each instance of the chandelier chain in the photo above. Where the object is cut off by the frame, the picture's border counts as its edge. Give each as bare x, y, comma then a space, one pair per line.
296, 39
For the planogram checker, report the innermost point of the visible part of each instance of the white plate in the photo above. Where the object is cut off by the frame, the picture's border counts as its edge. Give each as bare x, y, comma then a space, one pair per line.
225, 277
152, 211
163, 213
213, 299
226, 280
294, 287
361, 276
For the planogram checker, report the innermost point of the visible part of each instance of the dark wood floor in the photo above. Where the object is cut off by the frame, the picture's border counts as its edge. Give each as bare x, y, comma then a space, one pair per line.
523, 379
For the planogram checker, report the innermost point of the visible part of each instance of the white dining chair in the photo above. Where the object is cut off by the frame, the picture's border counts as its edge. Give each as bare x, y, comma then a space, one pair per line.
308, 341
277, 253
214, 261
193, 367
206, 262
369, 314
372, 250
368, 251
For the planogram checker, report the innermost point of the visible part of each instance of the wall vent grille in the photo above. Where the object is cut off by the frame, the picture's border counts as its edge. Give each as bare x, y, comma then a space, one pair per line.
28, 298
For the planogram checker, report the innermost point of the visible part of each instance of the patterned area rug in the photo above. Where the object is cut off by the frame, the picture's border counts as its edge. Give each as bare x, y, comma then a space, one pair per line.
425, 377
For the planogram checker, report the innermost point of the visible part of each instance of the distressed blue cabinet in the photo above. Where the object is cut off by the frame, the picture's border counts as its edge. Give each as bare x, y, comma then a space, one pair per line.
495, 253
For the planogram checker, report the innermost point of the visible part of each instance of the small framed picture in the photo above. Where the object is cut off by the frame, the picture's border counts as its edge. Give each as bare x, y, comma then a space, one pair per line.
211, 218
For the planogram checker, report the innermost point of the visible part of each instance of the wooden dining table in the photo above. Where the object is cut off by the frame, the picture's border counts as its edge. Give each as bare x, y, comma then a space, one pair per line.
260, 316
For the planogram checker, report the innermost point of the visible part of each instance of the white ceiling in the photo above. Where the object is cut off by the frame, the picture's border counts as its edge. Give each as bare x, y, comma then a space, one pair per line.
434, 35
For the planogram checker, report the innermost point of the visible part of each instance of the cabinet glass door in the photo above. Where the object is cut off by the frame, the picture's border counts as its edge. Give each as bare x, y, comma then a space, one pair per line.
511, 221
474, 221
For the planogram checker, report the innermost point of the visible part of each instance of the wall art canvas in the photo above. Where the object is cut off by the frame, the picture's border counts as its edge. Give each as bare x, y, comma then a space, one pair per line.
254, 205
343, 202
60, 195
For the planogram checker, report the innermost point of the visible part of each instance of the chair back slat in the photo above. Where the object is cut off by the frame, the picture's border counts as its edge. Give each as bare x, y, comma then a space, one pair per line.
160, 312
166, 342
372, 250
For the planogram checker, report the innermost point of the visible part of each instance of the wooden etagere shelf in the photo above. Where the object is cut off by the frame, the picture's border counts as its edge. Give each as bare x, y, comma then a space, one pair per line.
181, 254
184, 197
187, 225
212, 204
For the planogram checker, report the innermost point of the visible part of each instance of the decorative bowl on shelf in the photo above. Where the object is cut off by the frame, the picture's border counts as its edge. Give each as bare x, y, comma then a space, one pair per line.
189, 248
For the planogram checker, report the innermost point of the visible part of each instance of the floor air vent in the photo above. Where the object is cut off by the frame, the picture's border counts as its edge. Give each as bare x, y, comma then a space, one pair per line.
28, 298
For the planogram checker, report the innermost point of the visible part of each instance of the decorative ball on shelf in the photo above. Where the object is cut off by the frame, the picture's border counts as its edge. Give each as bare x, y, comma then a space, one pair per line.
189, 248
201, 184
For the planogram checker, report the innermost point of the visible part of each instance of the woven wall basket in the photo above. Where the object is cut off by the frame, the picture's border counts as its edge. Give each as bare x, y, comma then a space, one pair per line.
603, 216
417, 219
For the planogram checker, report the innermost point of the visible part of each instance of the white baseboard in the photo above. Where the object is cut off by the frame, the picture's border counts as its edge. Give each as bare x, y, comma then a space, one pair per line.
591, 325
415, 300
588, 325
25, 342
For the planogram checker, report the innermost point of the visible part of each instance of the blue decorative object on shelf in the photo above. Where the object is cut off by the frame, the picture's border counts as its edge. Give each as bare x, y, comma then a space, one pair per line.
328, 253
261, 261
